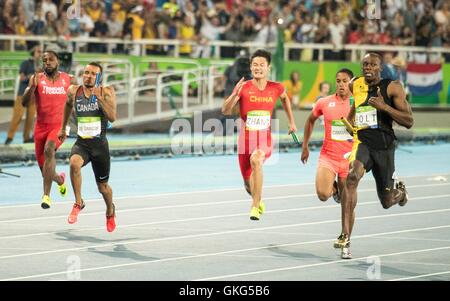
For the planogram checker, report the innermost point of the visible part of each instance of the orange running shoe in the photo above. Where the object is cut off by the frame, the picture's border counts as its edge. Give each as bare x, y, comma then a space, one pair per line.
73, 216
110, 220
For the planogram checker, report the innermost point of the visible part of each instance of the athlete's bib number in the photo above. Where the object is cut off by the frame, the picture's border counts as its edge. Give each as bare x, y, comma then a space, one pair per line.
339, 132
89, 127
366, 116
257, 120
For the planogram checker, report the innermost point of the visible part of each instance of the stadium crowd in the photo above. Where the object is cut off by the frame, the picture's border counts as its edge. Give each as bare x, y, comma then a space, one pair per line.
339, 22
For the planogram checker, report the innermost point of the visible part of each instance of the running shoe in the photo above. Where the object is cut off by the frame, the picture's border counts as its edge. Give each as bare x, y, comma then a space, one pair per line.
110, 220
342, 241
254, 214
345, 252
401, 186
73, 216
336, 195
262, 207
62, 188
46, 202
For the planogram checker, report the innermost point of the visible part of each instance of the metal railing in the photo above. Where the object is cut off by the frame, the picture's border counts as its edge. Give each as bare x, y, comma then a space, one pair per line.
141, 45
143, 97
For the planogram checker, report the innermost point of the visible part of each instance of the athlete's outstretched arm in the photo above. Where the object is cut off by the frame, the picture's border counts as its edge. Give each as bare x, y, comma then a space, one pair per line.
402, 113
29, 93
67, 111
231, 101
286, 102
106, 97
309, 126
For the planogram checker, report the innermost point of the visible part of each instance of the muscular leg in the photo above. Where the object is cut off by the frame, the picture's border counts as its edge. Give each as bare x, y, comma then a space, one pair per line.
247, 186
256, 179
106, 192
76, 162
324, 183
341, 186
48, 170
389, 198
349, 196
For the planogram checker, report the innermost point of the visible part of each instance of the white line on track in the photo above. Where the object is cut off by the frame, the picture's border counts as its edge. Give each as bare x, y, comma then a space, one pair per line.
364, 180
298, 267
198, 204
247, 250
421, 276
215, 217
192, 236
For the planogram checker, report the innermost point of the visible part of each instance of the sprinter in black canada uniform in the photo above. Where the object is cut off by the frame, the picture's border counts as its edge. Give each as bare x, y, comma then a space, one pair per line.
94, 106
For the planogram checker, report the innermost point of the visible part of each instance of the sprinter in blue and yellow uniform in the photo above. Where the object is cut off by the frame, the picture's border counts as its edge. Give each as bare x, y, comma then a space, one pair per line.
377, 103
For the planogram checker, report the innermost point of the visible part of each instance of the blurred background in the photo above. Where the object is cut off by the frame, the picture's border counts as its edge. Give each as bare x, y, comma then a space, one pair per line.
170, 59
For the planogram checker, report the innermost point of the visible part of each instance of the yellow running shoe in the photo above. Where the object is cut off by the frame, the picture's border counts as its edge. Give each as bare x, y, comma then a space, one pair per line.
262, 207
62, 188
341, 241
254, 214
46, 202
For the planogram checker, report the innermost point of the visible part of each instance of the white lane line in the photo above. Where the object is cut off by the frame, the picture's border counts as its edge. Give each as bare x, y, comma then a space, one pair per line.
233, 252
421, 276
207, 217
415, 263
298, 267
364, 180
197, 204
192, 236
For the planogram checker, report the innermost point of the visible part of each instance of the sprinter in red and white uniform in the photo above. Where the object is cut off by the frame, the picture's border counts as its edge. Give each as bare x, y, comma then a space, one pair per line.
49, 89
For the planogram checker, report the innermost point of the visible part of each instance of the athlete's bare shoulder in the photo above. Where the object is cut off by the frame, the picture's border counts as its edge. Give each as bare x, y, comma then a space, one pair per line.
72, 89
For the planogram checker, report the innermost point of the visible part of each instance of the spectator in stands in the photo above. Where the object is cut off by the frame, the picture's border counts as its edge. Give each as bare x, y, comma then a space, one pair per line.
134, 25
337, 33
442, 14
50, 26
20, 29
388, 69
267, 30
29, 7
86, 26
62, 26
37, 27
186, 33
324, 90
27, 68
407, 37
94, 9
321, 35
150, 32
209, 31
49, 6
248, 30
293, 88
100, 31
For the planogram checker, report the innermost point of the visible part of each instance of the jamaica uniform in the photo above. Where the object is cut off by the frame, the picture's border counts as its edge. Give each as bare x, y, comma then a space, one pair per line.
91, 143
374, 138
